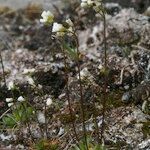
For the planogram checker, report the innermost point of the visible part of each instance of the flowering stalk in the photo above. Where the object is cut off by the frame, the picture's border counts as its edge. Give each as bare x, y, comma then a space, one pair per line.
46, 125
61, 30
97, 5
105, 76
81, 91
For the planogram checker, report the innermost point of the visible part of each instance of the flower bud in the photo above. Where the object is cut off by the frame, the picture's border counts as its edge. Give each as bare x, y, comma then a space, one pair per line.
57, 27
10, 104
9, 100
21, 99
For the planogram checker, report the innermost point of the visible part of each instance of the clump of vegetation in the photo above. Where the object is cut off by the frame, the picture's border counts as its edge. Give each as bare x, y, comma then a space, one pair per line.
43, 116
23, 113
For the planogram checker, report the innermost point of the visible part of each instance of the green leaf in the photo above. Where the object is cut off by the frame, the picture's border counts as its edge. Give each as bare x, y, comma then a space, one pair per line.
70, 51
9, 121
99, 147
23, 114
39, 145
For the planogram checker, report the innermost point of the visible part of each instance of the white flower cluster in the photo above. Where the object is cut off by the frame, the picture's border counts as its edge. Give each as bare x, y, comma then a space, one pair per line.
58, 28
95, 4
11, 103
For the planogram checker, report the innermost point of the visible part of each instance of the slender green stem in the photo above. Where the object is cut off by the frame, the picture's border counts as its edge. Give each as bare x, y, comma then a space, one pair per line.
81, 92
95, 119
41, 93
27, 123
68, 95
46, 123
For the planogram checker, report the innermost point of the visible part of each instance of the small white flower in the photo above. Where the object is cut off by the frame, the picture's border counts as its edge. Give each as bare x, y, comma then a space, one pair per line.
10, 104
69, 22
41, 118
70, 29
97, 6
49, 101
60, 34
100, 67
27, 71
31, 81
11, 85
90, 2
47, 17
57, 27
84, 1
21, 99
40, 86
84, 4
9, 100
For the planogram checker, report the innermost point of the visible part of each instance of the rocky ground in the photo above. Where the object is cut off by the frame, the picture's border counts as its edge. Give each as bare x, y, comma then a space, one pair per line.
27, 44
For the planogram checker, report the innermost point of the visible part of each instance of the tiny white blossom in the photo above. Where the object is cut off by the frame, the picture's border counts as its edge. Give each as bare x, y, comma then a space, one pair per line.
90, 2
100, 67
31, 81
49, 101
11, 85
47, 17
69, 22
40, 86
60, 34
70, 29
21, 99
98, 5
41, 118
84, 4
57, 27
10, 104
27, 71
9, 100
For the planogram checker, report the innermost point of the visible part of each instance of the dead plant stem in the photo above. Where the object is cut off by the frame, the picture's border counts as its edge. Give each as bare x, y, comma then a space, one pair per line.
3, 69
105, 78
